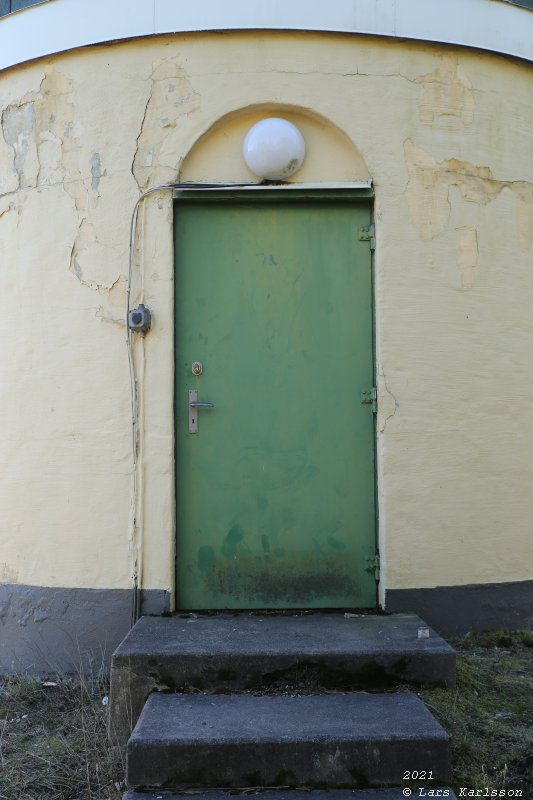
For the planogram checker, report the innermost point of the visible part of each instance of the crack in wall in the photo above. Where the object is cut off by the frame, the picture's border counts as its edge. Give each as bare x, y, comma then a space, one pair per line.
311, 73
138, 139
102, 315
395, 408
447, 79
171, 98
85, 239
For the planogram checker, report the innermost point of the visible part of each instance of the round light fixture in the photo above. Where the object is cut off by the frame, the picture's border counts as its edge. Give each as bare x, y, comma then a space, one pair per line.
274, 149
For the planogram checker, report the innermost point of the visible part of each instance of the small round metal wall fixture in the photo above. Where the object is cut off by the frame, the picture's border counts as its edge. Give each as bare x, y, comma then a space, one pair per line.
274, 149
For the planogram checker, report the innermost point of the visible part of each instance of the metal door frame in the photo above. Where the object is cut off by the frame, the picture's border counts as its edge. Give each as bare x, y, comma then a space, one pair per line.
352, 193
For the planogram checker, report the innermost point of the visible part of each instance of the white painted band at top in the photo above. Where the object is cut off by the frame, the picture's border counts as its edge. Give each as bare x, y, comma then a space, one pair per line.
59, 25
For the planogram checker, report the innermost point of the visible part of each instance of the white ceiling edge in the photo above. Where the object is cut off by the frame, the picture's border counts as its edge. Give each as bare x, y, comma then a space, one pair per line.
60, 25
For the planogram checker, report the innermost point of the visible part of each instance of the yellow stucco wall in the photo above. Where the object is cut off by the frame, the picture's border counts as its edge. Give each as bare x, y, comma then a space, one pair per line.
446, 137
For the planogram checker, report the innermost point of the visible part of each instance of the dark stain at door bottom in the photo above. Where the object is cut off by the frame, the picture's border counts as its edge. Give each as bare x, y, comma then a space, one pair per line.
246, 576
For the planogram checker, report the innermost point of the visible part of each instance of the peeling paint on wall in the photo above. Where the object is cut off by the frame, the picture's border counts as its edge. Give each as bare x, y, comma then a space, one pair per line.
447, 93
96, 171
86, 238
17, 125
524, 215
6, 208
427, 192
171, 98
39, 130
468, 256
429, 186
46, 151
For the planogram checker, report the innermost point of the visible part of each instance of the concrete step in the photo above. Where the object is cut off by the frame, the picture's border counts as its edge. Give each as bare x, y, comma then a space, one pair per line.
230, 652
316, 794
354, 740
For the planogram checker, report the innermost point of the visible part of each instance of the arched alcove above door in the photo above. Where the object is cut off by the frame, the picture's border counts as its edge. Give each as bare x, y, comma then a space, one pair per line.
331, 156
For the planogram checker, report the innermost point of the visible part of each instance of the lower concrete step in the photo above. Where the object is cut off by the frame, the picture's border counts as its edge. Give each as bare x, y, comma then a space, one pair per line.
230, 652
316, 794
336, 740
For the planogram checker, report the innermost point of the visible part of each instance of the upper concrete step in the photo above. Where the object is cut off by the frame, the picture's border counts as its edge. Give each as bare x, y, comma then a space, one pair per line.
229, 652
334, 740
315, 794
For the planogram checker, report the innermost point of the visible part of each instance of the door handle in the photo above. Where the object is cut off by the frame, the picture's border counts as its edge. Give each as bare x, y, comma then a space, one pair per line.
193, 413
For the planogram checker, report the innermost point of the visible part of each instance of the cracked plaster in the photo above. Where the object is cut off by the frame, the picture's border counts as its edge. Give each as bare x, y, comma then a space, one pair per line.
40, 130
83, 132
171, 98
428, 192
447, 93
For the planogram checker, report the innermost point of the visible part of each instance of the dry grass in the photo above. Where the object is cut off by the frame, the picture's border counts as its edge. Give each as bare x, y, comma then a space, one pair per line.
54, 745
490, 713
53, 741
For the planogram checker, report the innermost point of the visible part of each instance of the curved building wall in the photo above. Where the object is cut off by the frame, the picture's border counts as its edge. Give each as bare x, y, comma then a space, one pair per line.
444, 133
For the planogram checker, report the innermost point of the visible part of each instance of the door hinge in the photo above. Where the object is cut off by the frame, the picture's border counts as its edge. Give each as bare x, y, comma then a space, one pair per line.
370, 397
368, 234
372, 565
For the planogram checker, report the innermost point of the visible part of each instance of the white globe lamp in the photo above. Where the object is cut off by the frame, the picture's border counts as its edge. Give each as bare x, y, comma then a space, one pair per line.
274, 149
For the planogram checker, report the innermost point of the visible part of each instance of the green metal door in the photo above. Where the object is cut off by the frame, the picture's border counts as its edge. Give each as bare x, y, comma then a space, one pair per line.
275, 490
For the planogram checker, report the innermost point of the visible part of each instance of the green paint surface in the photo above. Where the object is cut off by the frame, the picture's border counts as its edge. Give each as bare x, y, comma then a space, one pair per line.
275, 493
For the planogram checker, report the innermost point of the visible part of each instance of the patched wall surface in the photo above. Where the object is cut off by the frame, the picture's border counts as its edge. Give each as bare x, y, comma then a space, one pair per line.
446, 136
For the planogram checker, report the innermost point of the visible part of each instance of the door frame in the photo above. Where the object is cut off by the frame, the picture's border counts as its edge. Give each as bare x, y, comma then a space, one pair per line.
349, 193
